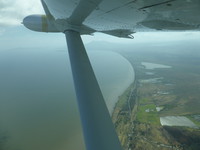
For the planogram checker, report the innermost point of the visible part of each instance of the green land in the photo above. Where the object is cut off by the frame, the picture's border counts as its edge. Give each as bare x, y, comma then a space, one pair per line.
175, 91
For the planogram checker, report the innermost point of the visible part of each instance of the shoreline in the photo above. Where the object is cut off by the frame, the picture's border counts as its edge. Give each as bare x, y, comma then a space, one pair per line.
122, 115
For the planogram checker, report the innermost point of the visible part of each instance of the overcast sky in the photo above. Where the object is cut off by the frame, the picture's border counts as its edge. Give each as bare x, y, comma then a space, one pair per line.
14, 35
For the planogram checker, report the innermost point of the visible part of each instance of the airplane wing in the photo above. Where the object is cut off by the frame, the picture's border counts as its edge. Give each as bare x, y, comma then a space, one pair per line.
119, 18
122, 18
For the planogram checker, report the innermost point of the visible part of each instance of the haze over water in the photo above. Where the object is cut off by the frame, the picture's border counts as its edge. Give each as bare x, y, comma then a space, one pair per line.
38, 109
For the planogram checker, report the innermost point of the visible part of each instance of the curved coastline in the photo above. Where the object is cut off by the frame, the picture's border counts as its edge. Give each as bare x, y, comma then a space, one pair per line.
115, 77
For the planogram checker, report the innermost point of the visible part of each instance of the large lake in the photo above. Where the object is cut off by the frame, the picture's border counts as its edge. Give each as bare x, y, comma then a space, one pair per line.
38, 110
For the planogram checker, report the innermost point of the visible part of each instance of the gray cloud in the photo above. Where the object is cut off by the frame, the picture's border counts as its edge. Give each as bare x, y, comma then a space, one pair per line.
12, 12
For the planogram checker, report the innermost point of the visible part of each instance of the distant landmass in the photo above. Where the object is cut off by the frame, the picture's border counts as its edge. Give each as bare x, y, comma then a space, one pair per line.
161, 109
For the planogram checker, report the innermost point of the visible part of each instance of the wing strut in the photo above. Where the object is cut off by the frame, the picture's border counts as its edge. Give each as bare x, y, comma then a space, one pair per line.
98, 129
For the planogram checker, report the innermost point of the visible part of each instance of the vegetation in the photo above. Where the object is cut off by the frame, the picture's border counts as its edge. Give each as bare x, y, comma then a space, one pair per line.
148, 114
121, 116
177, 93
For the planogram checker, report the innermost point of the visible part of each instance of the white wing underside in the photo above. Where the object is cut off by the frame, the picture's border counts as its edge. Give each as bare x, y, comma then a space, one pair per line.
128, 16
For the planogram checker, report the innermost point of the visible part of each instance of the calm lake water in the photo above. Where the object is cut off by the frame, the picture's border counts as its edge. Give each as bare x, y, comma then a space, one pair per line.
38, 110
177, 121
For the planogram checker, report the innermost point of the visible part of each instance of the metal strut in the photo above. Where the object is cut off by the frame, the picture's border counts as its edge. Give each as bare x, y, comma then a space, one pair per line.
98, 129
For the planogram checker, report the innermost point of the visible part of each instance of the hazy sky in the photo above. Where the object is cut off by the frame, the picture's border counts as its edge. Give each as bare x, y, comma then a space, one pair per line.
14, 35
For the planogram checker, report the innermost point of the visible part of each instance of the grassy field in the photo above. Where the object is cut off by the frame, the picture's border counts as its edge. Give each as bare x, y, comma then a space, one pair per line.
148, 114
